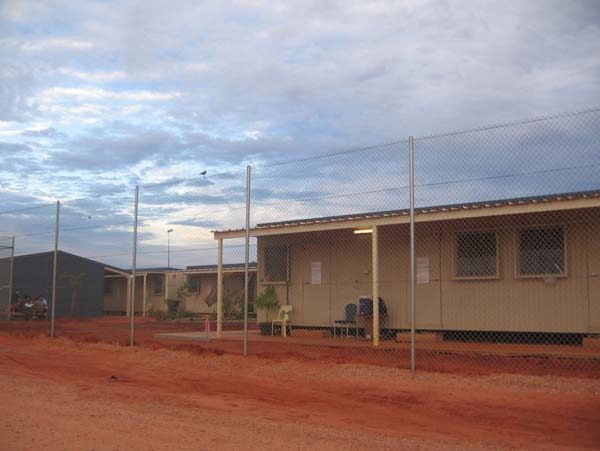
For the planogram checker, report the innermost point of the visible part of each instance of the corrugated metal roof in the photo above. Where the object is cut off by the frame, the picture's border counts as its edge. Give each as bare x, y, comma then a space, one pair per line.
435, 209
251, 265
142, 270
69, 254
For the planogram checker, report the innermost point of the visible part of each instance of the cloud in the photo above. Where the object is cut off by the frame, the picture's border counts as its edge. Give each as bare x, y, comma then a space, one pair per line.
55, 43
198, 223
49, 132
103, 96
94, 76
86, 93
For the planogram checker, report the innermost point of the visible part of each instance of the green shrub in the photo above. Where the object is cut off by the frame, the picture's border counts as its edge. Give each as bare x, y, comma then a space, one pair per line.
172, 305
267, 299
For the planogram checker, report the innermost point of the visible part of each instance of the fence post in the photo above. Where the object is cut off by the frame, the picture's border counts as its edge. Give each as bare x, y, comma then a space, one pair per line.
219, 287
10, 277
247, 258
133, 266
411, 157
54, 270
144, 307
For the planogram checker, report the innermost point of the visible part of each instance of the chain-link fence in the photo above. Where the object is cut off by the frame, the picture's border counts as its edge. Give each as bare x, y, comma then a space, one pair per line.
503, 257
6, 269
508, 222
177, 271
471, 251
26, 263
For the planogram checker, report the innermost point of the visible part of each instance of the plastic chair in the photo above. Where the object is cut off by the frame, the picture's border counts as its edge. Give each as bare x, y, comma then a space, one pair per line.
283, 316
350, 310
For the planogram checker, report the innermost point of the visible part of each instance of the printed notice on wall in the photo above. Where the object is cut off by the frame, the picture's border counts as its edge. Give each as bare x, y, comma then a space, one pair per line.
422, 269
315, 273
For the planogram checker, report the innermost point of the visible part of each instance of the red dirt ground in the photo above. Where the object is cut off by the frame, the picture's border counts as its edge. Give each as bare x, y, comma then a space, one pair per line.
457, 358
58, 394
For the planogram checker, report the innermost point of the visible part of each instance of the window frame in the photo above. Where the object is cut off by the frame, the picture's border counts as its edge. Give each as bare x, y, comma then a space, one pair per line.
162, 291
194, 276
455, 276
264, 264
517, 247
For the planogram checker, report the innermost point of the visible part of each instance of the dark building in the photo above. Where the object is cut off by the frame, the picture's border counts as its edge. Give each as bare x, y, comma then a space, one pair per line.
32, 275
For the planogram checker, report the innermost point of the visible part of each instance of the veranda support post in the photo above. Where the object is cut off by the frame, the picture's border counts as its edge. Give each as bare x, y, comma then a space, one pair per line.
375, 256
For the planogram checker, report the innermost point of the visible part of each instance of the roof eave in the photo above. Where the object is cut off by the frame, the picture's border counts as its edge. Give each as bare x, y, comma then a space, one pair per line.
485, 209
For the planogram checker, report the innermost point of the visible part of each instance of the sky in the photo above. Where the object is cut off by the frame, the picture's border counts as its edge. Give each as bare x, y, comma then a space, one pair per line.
99, 96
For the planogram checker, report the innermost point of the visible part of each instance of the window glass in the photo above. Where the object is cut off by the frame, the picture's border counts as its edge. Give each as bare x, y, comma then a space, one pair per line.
542, 251
276, 264
159, 285
476, 254
193, 281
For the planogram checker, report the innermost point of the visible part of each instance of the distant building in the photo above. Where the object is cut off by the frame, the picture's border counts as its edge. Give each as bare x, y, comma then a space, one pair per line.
155, 285
32, 275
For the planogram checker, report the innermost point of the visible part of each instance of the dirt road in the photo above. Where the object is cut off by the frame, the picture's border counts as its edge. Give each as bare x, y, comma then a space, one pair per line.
59, 394
472, 359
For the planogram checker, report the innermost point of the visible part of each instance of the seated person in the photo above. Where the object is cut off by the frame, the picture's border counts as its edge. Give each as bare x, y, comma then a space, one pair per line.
28, 307
19, 302
38, 308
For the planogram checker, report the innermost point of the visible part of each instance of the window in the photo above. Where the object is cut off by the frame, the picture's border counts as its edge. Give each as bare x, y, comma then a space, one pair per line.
541, 251
107, 287
476, 255
276, 264
159, 285
193, 281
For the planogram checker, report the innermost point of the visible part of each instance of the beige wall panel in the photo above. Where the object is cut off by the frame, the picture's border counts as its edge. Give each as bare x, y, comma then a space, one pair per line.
593, 273
512, 303
116, 301
351, 270
156, 302
394, 270
139, 294
316, 299
427, 291
569, 304
196, 302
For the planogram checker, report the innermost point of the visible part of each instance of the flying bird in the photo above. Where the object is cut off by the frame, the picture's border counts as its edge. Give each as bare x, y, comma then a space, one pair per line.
203, 173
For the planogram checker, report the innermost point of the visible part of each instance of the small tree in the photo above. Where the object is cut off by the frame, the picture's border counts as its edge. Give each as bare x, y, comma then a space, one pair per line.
267, 301
232, 307
184, 291
74, 281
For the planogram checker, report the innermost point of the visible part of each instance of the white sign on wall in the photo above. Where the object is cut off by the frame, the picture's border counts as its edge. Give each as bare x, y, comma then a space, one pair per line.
423, 270
315, 273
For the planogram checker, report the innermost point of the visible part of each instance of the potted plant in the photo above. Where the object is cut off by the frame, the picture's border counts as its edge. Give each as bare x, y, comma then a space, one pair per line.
265, 304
